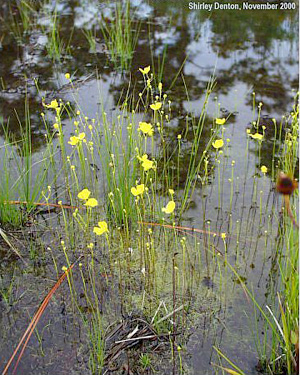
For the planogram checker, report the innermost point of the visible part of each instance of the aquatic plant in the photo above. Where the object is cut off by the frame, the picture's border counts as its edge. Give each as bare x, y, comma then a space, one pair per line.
22, 18
279, 350
121, 35
90, 34
115, 183
56, 46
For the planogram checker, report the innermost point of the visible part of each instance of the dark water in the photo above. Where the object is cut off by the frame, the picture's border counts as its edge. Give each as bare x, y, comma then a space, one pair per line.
247, 51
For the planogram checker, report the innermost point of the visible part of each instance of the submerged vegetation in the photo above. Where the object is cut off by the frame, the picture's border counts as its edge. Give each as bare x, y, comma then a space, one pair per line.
148, 227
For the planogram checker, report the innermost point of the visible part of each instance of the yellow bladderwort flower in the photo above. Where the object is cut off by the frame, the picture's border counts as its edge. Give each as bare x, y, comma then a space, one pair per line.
146, 163
223, 236
146, 128
138, 190
218, 143
73, 141
160, 87
264, 169
67, 76
220, 121
102, 228
55, 126
84, 194
53, 104
170, 207
257, 136
92, 202
155, 106
145, 71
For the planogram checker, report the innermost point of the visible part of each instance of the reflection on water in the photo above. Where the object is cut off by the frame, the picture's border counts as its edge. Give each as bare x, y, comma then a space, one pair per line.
248, 51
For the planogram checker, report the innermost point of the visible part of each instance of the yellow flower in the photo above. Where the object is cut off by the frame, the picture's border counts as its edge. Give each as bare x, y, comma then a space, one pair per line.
171, 191
73, 141
53, 104
145, 71
160, 87
218, 143
81, 136
102, 228
257, 136
155, 106
170, 207
220, 121
92, 202
146, 128
138, 190
264, 169
67, 75
84, 194
223, 236
56, 126
146, 163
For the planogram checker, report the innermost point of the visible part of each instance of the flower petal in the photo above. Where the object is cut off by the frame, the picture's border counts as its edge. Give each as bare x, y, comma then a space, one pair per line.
156, 106
220, 121
218, 143
92, 202
84, 194
146, 70
170, 207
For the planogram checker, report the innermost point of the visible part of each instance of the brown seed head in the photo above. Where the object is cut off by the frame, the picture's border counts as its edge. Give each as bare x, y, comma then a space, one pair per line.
285, 184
